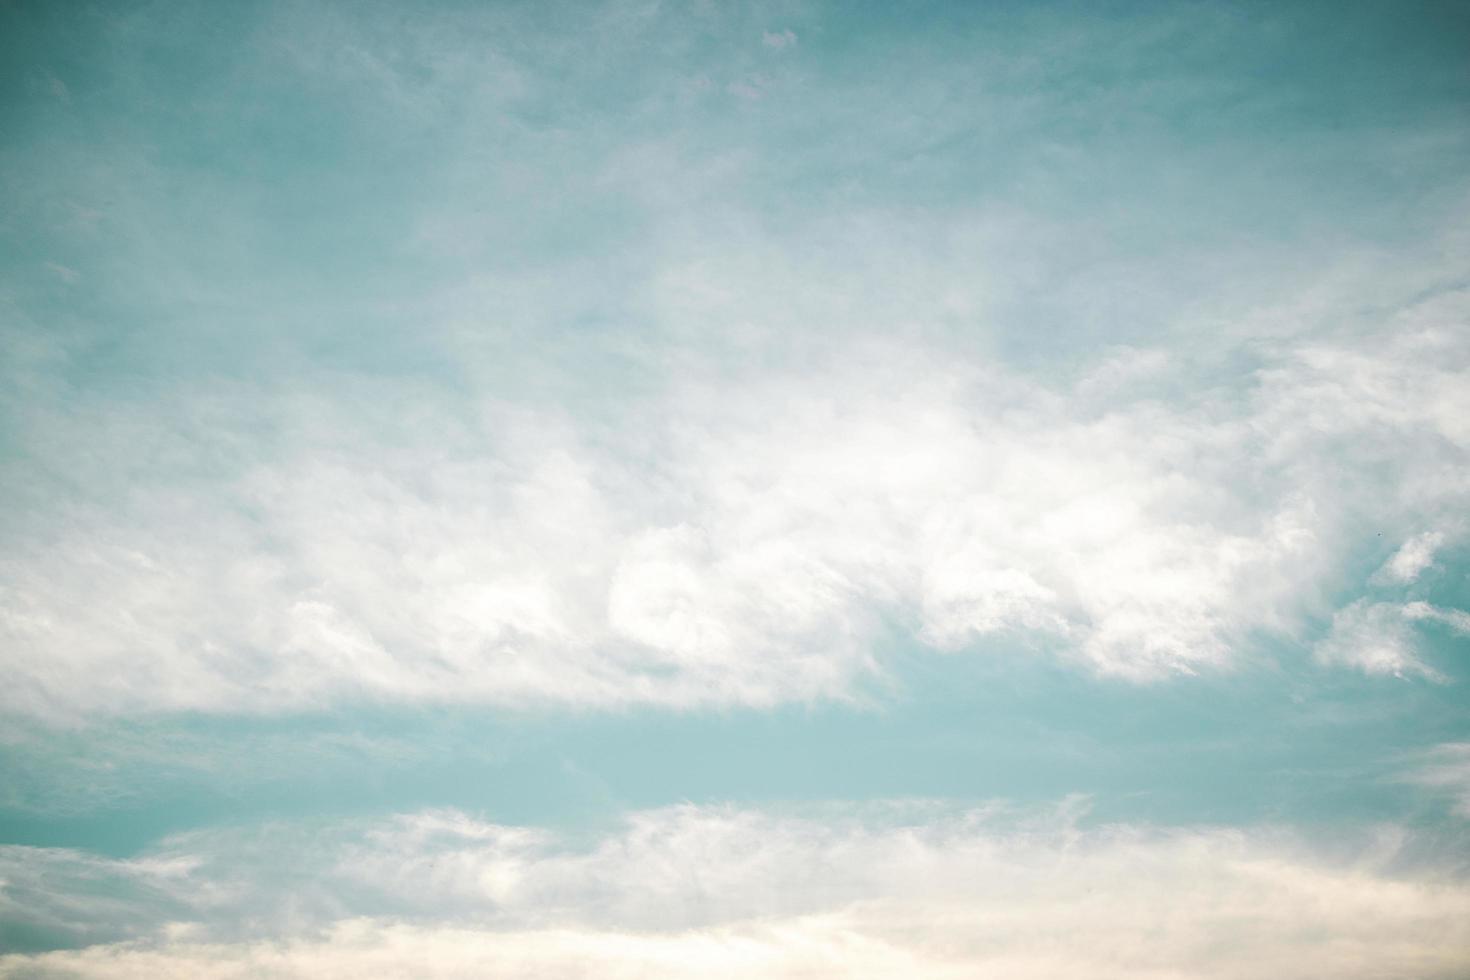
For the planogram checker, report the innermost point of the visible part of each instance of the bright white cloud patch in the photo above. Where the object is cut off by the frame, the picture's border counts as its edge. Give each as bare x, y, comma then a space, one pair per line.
734, 539
900, 891
1382, 638
1377, 638
1410, 561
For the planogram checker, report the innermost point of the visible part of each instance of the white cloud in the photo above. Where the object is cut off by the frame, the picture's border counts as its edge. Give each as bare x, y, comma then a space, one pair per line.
730, 542
1456, 619
734, 538
901, 891
1410, 561
1380, 638
1376, 638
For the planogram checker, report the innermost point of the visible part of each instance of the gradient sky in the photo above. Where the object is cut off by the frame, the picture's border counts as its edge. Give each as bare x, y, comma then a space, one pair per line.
635, 489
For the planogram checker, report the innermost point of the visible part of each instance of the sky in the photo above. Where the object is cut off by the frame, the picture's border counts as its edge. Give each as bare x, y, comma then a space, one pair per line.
766, 489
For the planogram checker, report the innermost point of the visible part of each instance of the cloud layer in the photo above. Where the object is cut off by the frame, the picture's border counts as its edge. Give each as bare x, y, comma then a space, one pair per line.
733, 539
886, 890
513, 358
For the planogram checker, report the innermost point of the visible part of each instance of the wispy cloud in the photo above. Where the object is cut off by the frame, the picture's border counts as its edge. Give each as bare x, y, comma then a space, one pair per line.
1410, 561
731, 539
778, 39
1447, 768
903, 889
1375, 637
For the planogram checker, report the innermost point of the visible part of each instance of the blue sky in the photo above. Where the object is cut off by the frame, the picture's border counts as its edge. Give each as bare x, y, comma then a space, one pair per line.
734, 489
